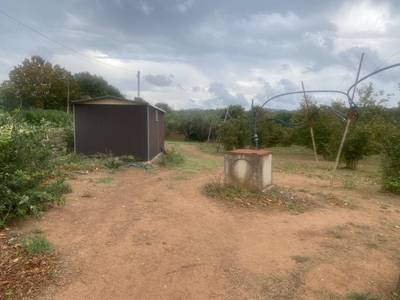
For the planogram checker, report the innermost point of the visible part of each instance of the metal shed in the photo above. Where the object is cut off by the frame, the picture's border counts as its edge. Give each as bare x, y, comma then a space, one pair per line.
120, 126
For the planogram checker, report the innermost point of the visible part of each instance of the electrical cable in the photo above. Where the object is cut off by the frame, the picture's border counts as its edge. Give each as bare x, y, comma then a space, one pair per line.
345, 77
371, 61
66, 47
388, 59
10, 54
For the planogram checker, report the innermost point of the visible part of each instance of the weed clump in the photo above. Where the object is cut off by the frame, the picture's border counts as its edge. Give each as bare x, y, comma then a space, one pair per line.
357, 296
171, 158
37, 244
275, 196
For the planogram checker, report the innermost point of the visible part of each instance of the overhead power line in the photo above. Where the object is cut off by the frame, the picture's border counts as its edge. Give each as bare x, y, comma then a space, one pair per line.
388, 59
10, 54
62, 45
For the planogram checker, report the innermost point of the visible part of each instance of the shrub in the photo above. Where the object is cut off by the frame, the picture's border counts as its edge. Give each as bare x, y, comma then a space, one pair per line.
58, 125
391, 164
37, 116
25, 170
171, 158
356, 147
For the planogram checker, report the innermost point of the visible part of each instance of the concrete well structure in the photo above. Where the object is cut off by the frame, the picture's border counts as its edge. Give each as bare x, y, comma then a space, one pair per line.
248, 169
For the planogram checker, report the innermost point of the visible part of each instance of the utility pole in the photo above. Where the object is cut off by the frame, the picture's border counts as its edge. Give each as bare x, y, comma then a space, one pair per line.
138, 84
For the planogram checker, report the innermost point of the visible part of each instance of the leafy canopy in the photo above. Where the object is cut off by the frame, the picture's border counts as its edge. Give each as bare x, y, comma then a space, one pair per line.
37, 83
95, 86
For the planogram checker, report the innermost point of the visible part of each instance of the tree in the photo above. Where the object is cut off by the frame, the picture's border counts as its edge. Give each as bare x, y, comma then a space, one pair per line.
95, 86
235, 132
171, 124
36, 83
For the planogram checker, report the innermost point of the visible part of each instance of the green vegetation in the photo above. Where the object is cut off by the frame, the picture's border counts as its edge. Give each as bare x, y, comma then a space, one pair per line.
36, 244
391, 163
172, 158
35, 160
105, 180
300, 259
274, 197
357, 296
28, 183
36, 83
95, 86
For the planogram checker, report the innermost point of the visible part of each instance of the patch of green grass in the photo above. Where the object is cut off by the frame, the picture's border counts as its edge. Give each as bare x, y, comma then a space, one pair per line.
357, 296
54, 273
9, 294
187, 161
210, 149
180, 178
274, 197
350, 183
36, 244
300, 259
295, 207
105, 179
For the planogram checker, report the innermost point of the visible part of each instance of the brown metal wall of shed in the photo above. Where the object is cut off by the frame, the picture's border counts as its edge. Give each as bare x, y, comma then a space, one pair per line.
161, 121
156, 131
121, 129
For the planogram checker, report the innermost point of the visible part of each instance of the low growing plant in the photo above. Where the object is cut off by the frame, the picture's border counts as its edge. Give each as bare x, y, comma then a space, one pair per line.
357, 296
37, 244
171, 158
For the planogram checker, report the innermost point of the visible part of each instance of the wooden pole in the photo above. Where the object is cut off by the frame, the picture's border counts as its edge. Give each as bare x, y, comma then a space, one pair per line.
310, 124
350, 115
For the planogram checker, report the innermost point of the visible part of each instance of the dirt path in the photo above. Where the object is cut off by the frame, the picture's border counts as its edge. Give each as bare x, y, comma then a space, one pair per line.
155, 235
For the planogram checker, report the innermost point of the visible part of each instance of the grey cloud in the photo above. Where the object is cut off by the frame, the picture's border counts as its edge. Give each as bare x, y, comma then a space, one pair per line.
43, 52
159, 80
147, 9
198, 89
222, 97
271, 90
184, 6
221, 40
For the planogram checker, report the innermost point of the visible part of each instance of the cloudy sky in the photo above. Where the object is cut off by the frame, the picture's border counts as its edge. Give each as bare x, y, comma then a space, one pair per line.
211, 53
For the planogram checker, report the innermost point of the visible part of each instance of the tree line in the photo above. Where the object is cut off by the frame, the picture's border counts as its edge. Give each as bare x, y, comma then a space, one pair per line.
37, 83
